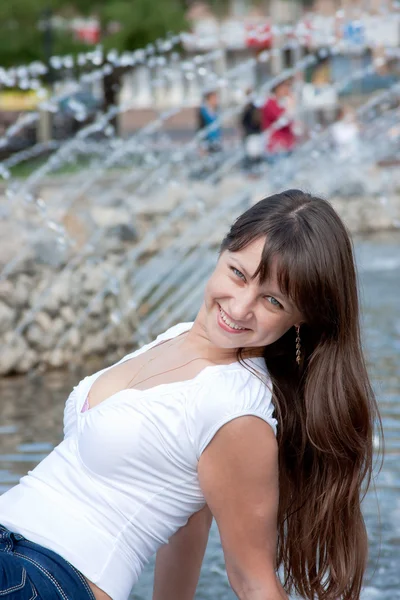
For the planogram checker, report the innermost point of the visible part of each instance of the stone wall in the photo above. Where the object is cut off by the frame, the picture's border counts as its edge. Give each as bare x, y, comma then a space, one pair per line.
59, 332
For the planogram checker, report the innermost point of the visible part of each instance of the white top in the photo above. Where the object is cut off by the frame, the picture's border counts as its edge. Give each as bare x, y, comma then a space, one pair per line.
124, 479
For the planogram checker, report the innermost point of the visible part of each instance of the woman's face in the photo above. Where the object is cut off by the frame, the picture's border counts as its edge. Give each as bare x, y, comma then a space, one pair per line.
238, 311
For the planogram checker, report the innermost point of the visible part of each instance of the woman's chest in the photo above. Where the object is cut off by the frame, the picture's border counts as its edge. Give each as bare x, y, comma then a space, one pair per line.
132, 433
144, 372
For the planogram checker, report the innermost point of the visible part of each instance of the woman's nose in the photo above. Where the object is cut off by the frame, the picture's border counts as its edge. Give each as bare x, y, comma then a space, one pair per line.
241, 308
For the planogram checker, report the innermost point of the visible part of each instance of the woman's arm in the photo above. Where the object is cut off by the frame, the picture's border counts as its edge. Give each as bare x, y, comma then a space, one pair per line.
178, 563
238, 473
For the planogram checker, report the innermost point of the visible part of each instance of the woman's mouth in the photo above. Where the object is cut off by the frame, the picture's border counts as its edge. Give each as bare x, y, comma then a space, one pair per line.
227, 324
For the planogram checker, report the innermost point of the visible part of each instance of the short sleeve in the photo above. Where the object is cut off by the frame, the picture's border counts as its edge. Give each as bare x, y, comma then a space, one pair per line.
70, 417
225, 396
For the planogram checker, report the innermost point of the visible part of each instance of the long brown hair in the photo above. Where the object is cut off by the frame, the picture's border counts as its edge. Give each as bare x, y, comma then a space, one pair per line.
325, 406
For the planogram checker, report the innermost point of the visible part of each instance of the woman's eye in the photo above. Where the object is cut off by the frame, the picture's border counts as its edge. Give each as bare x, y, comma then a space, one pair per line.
237, 272
274, 301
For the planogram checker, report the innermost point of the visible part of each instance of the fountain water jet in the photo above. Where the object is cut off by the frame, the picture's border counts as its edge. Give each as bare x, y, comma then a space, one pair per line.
158, 168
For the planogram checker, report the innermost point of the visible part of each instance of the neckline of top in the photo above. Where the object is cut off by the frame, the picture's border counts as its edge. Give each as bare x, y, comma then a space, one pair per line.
180, 328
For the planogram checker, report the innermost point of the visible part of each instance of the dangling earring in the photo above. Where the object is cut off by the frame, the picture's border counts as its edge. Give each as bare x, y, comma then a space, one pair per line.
298, 345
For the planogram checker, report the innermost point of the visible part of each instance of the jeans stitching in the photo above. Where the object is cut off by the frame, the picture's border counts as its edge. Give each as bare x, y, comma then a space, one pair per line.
45, 572
78, 573
34, 592
83, 580
15, 587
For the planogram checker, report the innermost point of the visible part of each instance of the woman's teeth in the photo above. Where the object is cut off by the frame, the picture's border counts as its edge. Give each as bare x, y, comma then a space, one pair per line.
228, 322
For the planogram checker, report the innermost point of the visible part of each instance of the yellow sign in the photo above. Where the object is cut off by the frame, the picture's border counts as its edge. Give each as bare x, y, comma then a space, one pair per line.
11, 100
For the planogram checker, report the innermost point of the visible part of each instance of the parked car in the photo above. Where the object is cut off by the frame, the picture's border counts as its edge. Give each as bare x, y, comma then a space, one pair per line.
73, 112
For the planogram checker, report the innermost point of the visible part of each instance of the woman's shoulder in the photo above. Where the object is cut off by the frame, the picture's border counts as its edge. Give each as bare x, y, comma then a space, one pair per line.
243, 383
223, 394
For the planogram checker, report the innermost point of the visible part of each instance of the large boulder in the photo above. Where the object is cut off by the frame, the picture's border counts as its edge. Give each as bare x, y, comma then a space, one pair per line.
7, 317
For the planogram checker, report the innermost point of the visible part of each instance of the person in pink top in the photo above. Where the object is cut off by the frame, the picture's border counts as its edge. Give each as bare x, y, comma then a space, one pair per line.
277, 119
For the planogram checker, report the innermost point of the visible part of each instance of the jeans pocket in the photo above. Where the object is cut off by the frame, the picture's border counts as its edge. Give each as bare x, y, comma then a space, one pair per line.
15, 583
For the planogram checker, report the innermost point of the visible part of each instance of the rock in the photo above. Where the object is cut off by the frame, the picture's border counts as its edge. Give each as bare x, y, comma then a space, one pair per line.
49, 252
93, 344
75, 291
26, 265
23, 287
57, 327
94, 324
44, 321
59, 294
96, 278
38, 338
42, 285
117, 201
110, 217
7, 292
163, 202
68, 315
74, 338
51, 305
229, 186
123, 233
12, 352
29, 360
367, 214
56, 358
96, 307
76, 228
44, 332
7, 317
34, 335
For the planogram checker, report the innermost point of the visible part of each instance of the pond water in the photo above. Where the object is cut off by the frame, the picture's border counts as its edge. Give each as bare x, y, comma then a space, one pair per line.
31, 425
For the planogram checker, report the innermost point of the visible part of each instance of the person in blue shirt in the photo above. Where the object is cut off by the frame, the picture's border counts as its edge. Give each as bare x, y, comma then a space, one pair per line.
209, 114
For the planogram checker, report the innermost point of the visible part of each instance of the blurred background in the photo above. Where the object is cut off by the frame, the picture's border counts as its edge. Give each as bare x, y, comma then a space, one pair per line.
132, 133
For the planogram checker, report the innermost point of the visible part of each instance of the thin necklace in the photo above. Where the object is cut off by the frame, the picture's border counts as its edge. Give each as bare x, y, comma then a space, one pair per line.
161, 372
166, 371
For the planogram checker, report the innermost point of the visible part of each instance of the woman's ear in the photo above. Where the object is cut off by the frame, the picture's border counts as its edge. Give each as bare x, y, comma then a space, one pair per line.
301, 321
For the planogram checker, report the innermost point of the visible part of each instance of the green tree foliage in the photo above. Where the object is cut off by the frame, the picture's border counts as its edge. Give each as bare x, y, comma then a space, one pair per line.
140, 22
22, 36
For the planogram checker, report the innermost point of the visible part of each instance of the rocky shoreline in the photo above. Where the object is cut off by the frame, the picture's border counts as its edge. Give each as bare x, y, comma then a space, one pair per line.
56, 310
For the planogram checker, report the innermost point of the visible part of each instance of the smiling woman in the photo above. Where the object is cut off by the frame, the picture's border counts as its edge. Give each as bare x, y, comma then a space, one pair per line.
259, 414
245, 302
300, 259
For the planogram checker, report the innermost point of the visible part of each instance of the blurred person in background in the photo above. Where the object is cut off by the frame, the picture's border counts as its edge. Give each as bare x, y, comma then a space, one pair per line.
277, 120
250, 122
208, 114
346, 133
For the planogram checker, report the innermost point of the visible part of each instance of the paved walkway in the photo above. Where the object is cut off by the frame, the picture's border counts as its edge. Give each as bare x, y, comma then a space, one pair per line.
181, 126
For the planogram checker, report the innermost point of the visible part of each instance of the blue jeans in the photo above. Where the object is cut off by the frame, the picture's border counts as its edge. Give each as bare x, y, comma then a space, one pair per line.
29, 571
